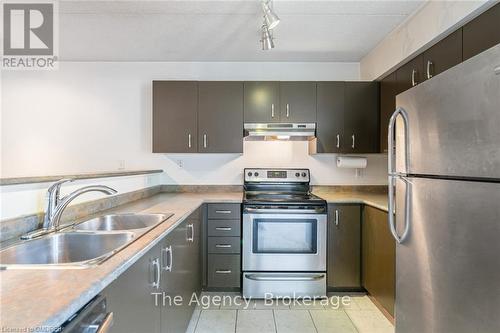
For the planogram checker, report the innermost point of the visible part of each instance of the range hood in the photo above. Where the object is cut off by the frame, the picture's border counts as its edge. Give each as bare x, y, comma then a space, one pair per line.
280, 131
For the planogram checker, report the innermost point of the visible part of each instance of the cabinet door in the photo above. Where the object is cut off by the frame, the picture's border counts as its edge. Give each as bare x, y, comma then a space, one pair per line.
410, 74
175, 107
220, 117
330, 117
379, 257
129, 297
261, 102
481, 33
443, 55
361, 122
388, 91
177, 279
344, 246
297, 102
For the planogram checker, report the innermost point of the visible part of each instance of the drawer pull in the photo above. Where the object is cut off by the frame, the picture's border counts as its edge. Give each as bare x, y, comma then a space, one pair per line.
224, 228
223, 211
224, 246
223, 271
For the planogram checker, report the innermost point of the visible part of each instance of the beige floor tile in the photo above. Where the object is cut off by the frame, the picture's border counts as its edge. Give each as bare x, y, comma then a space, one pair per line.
364, 303
332, 321
343, 302
308, 305
221, 321
260, 304
288, 321
370, 321
194, 321
255, 321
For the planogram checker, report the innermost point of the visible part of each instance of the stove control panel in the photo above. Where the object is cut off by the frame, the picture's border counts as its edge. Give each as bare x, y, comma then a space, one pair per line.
277, 175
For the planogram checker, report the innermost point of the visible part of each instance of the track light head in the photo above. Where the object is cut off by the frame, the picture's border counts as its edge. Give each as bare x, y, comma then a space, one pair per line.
270, 17
267, 38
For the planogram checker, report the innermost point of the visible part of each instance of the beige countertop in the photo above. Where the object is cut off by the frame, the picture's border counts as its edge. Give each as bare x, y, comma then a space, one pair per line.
47, 297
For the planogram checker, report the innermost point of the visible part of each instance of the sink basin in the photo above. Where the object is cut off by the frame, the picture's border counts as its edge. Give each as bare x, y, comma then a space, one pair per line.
65, 248
117, 222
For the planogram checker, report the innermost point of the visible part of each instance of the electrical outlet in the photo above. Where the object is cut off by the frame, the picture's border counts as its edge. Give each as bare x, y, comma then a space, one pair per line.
121, 165
180, 163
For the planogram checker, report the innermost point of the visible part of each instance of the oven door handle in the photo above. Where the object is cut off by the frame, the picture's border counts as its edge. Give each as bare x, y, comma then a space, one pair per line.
284, 211
257, 277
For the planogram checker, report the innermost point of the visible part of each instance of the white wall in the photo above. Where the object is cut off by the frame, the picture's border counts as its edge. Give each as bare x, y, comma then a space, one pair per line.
89, 117
430, 24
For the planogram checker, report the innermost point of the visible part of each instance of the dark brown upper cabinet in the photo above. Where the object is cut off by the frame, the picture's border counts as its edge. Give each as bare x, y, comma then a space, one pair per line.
261, 102
410, 74
220, 117
175, 124
330, 117
388, 92
361, 117
347, 121
443, 55
481, 33
297, 102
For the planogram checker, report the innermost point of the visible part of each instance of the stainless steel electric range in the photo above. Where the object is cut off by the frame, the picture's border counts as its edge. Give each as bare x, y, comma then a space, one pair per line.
284, 235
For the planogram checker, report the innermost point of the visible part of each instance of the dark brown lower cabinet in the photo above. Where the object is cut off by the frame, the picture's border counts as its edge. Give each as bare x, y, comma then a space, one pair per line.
344, 247
378, 257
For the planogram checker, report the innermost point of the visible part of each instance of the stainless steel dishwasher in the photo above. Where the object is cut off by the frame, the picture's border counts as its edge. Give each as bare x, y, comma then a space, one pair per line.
92, 318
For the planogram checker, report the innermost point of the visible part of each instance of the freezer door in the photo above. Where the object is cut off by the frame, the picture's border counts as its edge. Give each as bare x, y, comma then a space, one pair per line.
454, 121
448, 267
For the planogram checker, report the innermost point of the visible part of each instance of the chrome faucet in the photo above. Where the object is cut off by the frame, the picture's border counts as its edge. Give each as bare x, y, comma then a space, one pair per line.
56, 205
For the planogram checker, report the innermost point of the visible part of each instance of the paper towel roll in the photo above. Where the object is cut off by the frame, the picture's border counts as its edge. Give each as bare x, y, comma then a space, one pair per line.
351, 162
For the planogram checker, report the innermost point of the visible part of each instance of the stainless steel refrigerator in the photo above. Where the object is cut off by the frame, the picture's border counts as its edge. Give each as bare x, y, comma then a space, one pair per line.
444, 186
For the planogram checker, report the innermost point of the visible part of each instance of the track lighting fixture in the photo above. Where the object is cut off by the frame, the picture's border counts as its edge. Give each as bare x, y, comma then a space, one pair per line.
272, 20
266, 38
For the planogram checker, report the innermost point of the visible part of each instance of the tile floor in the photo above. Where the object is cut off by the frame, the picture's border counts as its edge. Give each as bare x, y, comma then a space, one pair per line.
353, 313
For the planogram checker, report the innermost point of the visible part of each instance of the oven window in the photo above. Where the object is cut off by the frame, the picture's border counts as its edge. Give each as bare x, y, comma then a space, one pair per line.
284, 236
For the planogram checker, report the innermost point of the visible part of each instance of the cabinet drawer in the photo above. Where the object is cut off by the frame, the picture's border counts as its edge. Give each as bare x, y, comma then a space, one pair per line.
224, 245
224, 270
224, 211
224, 228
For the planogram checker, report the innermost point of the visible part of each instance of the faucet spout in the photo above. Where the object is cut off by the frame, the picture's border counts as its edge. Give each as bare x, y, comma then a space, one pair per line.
56, 217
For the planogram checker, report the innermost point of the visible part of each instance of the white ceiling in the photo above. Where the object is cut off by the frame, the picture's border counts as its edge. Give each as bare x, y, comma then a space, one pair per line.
310, 31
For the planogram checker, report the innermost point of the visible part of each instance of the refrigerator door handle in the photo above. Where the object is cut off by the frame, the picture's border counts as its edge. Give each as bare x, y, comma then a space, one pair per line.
391, 142
406, 219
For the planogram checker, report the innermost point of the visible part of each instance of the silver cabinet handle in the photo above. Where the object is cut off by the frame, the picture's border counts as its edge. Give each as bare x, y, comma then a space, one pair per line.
223, 246
338, 140
167, 258
190, 237
189, 140
272, 110
224, 228
353, 141
430, 66
223, 271
107, 323
157, 271
336, 217
288, 110
257, 277
413, 77
497, 70
223, 211
393, 175
205, 141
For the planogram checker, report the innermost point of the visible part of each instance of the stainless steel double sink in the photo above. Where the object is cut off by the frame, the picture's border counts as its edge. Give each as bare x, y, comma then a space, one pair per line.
82, 245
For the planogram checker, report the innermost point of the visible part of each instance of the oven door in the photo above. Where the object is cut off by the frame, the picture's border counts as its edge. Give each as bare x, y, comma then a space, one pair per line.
282, 241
